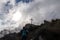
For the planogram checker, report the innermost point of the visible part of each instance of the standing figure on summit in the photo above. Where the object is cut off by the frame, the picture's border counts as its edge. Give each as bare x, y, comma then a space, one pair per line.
24, 33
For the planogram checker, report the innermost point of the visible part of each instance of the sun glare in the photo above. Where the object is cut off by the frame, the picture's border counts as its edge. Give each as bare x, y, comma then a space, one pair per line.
17, 16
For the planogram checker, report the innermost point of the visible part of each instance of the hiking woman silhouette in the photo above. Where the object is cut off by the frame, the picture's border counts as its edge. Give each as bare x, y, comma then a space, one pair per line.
24, 33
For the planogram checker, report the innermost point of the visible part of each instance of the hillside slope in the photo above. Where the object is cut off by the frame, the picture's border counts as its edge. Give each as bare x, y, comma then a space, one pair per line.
46, 31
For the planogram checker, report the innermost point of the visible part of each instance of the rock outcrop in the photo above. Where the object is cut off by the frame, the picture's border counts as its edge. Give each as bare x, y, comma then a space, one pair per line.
46, 31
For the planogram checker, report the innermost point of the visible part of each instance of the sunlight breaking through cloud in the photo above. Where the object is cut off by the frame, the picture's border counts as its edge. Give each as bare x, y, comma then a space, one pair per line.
15, 15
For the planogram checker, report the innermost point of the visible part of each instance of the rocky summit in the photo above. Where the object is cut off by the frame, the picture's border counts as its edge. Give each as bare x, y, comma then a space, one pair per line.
46, 31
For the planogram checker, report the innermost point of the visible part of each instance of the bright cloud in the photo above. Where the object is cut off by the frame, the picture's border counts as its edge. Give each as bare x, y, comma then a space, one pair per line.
17, 16
14, 14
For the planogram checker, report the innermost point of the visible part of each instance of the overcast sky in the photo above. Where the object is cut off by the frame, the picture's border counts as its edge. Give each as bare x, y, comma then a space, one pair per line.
14, 13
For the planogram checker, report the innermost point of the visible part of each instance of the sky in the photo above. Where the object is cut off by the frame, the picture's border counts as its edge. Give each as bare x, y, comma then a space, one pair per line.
17, 13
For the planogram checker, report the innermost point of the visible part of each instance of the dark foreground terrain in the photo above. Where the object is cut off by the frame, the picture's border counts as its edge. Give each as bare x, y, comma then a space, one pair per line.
46, 31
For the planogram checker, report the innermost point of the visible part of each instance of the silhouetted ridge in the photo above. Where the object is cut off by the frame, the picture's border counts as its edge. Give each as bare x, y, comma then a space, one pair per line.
46, 31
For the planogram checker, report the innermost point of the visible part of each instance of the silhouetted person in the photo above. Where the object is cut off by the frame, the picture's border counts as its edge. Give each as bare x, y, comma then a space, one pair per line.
24, 33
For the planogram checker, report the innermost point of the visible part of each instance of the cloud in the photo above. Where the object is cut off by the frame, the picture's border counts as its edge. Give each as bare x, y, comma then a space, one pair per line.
24, 1
44, 10
38, 10
7, 9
